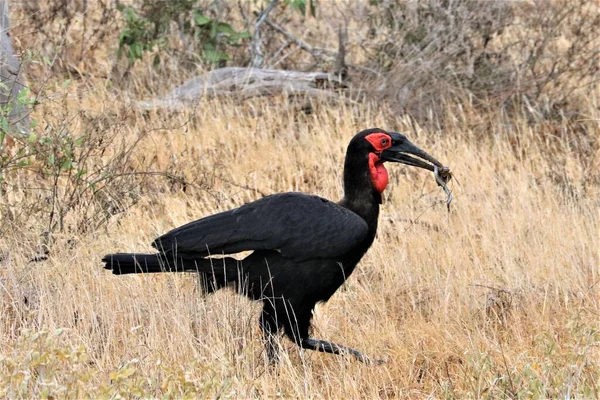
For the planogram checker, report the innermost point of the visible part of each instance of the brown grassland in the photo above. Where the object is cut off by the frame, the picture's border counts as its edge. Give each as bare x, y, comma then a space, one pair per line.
499, 297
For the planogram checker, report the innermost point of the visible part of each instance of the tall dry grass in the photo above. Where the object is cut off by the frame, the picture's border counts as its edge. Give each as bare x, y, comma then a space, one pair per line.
498, 298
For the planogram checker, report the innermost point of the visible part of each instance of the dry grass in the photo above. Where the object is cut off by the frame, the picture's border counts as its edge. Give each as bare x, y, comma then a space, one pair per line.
498, 298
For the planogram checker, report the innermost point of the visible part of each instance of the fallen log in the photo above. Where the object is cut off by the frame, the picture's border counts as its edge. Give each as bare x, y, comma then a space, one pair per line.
246, 83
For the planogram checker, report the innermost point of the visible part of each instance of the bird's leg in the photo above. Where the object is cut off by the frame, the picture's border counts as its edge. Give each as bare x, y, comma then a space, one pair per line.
271, 348
333, 348
268, 325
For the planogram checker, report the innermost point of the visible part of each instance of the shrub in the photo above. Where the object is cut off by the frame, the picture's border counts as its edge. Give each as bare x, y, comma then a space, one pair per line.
510, 55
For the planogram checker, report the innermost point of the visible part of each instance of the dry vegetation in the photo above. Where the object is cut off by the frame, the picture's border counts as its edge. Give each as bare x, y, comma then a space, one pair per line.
499, 298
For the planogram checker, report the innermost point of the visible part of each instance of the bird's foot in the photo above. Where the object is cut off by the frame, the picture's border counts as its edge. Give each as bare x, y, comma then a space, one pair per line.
371, 361
333, 348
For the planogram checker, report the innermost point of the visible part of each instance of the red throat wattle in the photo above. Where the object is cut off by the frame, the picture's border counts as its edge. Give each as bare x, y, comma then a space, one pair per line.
379, 175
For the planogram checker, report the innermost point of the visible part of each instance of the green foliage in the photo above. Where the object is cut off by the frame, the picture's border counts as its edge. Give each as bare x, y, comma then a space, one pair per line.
8, 130
56, 152
43, 365
66, 165
209, 32
41, 368
146, 30
136, 37
300, 5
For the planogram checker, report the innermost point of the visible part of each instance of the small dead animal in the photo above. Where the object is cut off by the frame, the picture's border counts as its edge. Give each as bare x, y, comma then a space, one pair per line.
442, 177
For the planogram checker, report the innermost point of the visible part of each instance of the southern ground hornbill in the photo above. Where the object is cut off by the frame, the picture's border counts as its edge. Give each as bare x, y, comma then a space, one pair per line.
304, 247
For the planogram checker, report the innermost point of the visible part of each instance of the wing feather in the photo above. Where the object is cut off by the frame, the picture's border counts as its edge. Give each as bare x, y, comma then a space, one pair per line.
299, 226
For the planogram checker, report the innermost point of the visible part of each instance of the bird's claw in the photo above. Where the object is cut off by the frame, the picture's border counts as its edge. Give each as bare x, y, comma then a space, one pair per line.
370, 361
377, 362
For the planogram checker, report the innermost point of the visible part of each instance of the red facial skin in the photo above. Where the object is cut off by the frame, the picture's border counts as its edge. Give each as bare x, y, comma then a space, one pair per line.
379, 175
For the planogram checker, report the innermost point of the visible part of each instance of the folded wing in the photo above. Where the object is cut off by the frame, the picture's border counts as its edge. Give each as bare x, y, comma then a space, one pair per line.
299, 226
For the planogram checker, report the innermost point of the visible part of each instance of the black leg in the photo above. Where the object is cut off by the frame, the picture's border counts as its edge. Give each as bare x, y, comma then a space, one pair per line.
295, 321
269, 327
271, 348
333, 348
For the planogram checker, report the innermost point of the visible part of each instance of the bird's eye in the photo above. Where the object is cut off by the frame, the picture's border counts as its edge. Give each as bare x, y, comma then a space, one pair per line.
384, 142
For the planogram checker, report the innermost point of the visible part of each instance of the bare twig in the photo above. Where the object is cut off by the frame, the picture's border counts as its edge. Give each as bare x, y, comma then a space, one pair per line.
319, 53
256, 46
278, 52
242, 186
340, 67
316, 52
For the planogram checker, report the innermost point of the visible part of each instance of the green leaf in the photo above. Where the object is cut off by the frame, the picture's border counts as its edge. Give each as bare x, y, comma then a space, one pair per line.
201, 20
4, 126
213, 31
28, 56
237, 36
299, 5
214, 56
79, 141
223, 27
51, 159
135, 51
126, 38
66, 165
32, 138
23, 96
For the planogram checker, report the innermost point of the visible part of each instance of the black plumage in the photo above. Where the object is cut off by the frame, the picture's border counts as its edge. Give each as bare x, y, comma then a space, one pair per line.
286, 222
304, 247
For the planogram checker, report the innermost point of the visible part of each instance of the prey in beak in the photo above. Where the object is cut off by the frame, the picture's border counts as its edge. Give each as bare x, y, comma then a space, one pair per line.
403, 151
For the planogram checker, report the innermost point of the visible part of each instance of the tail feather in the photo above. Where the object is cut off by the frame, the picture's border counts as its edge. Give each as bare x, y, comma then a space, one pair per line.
134, 263
215, 273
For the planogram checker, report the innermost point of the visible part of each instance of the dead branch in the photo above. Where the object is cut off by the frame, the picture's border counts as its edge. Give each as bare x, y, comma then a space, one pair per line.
256, 47
316, 52
339, 57
247, 83
340, 67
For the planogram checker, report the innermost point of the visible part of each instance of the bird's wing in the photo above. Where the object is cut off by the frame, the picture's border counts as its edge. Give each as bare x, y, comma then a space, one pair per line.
299, 226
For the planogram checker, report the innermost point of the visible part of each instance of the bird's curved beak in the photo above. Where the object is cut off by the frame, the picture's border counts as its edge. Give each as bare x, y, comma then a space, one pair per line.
400, 150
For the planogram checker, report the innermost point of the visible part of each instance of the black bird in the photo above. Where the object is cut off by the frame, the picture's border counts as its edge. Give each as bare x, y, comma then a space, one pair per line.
304, 246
